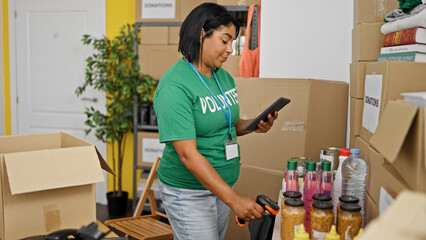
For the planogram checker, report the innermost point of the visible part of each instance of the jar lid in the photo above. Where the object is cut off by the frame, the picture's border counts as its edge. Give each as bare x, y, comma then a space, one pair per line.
321, 197
322, 205
311, 165
294, 202
348, 199
291, 164
352, 207
292, 194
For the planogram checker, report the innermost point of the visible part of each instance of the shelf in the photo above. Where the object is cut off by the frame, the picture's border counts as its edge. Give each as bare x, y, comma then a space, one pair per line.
148, 127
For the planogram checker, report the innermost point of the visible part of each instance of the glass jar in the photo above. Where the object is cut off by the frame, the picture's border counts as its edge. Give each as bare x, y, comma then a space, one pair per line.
349, 220
290, 195
322, 218
293, 216
321, 197
346, 199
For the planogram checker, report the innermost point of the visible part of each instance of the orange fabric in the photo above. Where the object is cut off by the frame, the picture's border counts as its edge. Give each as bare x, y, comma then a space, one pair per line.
249, 60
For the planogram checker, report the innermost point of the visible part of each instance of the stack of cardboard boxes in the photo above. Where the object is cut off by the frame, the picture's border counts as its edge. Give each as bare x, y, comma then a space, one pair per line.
158, 49
389, 134
315, 118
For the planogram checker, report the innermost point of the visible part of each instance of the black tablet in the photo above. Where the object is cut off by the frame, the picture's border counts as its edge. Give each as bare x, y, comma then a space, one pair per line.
276, 106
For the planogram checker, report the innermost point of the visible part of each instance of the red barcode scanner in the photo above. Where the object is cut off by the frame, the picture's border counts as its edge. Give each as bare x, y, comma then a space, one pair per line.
266, 203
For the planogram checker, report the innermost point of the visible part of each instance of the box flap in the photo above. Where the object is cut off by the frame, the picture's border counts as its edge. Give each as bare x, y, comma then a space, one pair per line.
424, 135
71, 141
103, 163
393, 128
51, 169
408, 206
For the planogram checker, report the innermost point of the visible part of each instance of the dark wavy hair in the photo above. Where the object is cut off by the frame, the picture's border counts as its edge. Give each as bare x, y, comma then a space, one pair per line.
207, 16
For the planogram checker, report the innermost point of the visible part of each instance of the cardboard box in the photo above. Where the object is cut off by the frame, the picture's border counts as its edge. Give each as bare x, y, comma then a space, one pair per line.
249, 185
385, 178
369, 11
352, 139
154, 35
155, 60
397, 77
371, 209
232, 65
188, 5
174, 35
149, 148
160, 11
405, 219
47, 183
367, 39
315, 118
356, 115
238, 2
400, 138
357, 79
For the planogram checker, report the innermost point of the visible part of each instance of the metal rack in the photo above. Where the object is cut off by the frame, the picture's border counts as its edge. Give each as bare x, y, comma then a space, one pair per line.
136, 125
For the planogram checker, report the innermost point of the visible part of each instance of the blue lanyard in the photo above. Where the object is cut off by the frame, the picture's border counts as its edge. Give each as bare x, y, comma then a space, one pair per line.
228, 117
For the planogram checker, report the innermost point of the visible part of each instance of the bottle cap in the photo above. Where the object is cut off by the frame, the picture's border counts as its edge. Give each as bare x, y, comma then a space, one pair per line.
291, 164
301, 170
332, 235
321, 197
311, 165
354, 151
322, 205
292, 194
345, 152
325, 165
361, 231
351, 207
348, 199
294, 202
301, 234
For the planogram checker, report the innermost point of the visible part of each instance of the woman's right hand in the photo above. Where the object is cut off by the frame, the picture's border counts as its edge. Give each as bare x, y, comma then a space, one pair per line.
247, 208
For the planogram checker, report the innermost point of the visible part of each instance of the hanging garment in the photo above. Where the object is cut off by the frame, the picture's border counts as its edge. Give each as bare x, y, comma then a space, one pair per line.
249, 60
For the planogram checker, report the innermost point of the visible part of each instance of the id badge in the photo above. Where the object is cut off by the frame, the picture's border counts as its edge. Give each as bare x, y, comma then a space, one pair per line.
231, 149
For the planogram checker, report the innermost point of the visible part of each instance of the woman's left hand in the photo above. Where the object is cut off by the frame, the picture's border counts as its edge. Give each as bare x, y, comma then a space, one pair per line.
263, 126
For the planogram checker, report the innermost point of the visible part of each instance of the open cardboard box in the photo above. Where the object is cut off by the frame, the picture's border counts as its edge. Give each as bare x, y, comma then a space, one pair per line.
400, 138
404, 219
47, 183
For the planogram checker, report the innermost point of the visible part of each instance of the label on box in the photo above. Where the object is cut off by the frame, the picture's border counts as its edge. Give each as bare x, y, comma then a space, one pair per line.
158, 9
372, 101
385, 200
151, 149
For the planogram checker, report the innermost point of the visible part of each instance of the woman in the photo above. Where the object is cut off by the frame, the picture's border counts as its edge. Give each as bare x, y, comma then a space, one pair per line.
198, 116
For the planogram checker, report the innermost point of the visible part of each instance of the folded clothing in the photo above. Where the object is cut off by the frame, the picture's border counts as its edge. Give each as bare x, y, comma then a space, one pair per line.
398, 14
417, 20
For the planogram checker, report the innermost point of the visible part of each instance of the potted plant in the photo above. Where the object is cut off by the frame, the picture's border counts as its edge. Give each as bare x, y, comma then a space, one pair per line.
113, 69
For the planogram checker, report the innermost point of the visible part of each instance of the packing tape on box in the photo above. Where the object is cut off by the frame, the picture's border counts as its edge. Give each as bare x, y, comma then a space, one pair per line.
52, 218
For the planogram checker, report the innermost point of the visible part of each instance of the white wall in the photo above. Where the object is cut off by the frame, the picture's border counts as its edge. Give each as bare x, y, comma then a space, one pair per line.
306, 39
2, 115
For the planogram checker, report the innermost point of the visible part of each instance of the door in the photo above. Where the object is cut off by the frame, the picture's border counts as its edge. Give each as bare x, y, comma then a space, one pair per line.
50, 63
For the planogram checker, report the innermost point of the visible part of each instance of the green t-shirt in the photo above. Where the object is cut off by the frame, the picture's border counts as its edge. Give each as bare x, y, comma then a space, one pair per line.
186, 110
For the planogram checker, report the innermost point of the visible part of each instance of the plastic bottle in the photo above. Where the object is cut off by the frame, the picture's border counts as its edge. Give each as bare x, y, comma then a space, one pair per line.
332, 235
337, 185
325, 179
310, 188
354, 174
291, 177
301, 234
